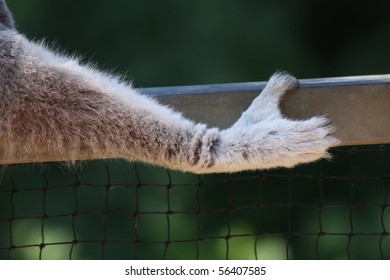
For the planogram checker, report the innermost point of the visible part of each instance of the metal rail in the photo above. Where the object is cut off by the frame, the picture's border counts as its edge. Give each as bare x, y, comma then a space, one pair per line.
358, 106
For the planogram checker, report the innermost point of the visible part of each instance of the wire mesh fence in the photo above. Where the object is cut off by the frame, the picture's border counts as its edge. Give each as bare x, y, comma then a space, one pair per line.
117, 210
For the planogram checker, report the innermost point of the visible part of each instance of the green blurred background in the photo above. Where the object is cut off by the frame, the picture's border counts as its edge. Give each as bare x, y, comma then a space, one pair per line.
116, 210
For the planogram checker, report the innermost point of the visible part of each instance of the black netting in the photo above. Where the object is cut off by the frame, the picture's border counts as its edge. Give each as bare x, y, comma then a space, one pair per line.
116, 210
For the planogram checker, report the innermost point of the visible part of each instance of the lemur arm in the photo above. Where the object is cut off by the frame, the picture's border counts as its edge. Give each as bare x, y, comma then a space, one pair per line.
54, 107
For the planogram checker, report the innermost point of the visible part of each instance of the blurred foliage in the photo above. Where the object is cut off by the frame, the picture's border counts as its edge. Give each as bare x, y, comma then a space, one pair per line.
164, 43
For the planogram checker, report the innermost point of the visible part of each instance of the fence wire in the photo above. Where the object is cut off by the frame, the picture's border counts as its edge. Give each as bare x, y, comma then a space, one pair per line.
335, 209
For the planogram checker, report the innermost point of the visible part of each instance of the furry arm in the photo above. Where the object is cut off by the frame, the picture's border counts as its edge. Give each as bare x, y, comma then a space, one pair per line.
51, 106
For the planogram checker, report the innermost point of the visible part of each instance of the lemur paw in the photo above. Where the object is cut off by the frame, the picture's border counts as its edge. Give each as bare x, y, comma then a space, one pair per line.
265, 138
282, 142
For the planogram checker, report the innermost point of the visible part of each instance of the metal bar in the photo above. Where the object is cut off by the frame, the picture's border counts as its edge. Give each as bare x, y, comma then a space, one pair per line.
358, 106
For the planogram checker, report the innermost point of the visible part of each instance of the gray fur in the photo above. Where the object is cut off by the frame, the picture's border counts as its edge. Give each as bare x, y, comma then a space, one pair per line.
6, 19
53, 107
